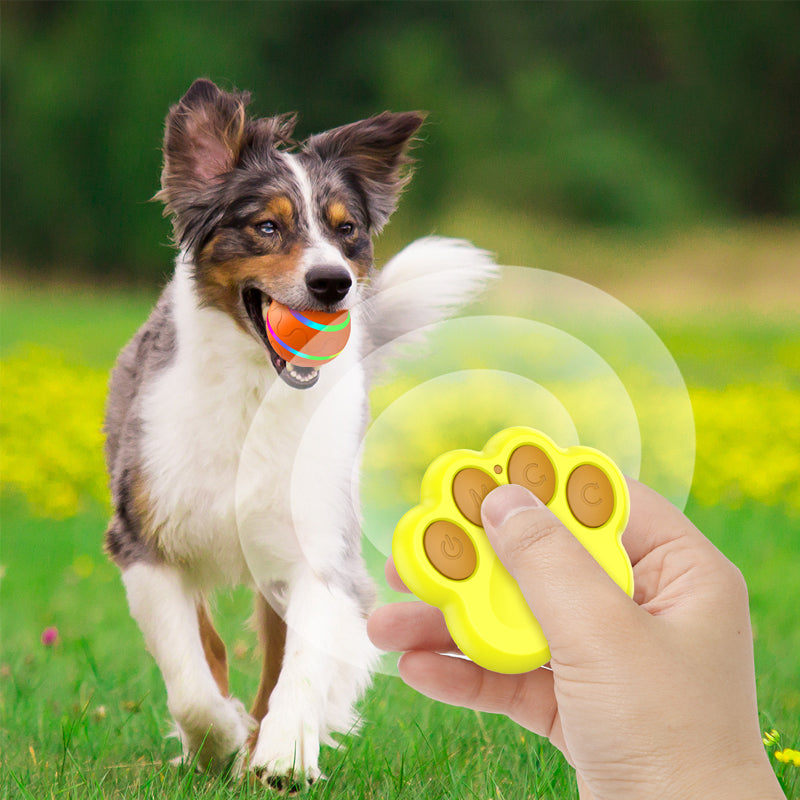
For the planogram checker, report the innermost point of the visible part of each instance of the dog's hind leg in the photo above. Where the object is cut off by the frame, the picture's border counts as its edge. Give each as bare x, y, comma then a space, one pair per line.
272, 637
213, 648
212, 727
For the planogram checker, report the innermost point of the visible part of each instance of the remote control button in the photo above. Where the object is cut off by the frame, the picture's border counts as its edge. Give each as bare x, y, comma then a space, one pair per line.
450, 550
531, 468
470, 487
590, 496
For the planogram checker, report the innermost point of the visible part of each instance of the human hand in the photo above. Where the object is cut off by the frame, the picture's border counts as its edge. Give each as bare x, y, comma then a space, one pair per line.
647, 698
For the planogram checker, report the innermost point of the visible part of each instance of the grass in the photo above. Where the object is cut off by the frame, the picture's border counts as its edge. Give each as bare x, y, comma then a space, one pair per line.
87, 717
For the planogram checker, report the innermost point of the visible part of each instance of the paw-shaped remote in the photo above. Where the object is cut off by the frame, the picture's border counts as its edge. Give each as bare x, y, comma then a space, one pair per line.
443, 556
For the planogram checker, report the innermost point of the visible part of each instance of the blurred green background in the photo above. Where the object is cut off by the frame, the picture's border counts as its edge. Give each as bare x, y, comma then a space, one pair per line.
640, 115
650, 149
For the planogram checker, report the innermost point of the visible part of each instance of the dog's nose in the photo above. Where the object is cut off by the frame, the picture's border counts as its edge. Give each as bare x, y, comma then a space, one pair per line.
328, 284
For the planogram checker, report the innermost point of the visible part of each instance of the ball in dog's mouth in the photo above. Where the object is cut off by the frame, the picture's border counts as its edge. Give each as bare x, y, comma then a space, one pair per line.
299, 342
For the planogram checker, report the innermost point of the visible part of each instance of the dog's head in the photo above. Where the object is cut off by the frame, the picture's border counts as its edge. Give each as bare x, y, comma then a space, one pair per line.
263, 218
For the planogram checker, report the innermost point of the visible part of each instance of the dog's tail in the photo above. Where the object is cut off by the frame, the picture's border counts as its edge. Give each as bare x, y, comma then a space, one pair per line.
426, 282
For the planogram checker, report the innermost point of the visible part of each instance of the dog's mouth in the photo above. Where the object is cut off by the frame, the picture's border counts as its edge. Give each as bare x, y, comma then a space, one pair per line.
256, 304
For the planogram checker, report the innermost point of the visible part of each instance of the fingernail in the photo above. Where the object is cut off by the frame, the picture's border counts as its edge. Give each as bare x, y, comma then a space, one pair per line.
507, 501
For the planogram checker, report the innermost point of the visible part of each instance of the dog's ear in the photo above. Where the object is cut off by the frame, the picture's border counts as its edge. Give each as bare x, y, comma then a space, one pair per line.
374, 153
203, 138
206, 135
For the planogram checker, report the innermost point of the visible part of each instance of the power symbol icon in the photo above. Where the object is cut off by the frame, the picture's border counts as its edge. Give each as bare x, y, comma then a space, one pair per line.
452, 547
449, 550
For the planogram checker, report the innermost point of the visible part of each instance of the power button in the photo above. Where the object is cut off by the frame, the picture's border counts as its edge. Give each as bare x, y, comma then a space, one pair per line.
450, 550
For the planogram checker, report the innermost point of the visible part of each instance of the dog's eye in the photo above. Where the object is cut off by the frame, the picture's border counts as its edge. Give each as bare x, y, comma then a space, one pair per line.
346, 229
267, 228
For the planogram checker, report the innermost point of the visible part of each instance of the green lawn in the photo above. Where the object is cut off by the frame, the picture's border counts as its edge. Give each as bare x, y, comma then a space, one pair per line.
87, 717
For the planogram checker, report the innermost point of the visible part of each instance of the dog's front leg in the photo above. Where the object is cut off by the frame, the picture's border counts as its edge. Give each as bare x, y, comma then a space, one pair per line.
326, 666
212, 727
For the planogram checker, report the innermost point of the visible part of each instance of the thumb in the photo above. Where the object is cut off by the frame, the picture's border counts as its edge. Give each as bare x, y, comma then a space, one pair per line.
570, 594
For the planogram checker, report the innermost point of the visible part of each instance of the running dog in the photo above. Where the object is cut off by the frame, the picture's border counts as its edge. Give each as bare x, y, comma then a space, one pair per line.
229, 465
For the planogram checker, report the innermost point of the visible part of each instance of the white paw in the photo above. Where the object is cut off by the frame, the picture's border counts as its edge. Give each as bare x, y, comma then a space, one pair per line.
286, 755
212, 733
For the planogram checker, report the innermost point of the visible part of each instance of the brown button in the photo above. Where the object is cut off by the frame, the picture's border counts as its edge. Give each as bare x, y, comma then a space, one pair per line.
470, 487
450, 550
590, 496
531, 468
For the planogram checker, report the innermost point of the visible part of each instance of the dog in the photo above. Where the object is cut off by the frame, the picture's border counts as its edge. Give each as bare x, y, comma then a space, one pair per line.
229, 466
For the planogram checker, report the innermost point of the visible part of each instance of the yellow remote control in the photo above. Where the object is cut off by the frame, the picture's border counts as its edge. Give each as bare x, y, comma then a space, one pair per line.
443, 556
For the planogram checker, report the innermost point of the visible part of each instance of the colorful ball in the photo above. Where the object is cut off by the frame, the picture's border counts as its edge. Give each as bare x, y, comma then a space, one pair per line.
306, 338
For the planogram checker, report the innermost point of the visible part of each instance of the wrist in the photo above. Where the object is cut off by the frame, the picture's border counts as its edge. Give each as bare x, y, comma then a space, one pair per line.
728, 777
734, 776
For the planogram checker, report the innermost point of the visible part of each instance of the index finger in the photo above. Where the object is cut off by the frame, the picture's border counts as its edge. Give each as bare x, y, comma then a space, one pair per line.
392, 578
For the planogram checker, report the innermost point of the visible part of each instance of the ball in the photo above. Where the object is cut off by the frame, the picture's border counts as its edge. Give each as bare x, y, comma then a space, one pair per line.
306, 338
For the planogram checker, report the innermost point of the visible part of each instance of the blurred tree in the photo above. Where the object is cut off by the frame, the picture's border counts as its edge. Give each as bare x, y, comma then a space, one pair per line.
640, 114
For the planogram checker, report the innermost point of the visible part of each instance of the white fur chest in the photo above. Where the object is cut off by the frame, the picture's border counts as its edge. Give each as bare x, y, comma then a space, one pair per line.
221, 398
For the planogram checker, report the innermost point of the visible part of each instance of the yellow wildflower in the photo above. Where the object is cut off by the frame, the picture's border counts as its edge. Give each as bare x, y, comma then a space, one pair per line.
735, 427
52, 442
771, 738
83, 566
788, 756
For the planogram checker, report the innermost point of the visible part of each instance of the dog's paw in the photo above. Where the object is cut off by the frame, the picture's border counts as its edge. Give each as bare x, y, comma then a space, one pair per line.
285, 758
213, 735
286, 778
290, 784
285, 774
